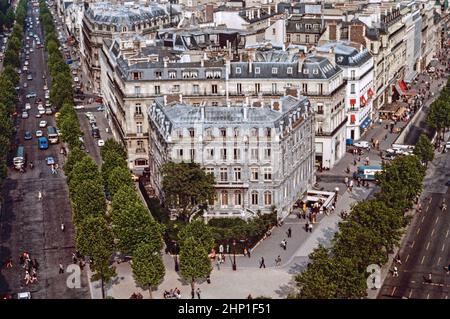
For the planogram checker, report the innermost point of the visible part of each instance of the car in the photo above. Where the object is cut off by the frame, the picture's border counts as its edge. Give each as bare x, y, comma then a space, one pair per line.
92, 121
100, 108
27, 106
89, 115
29, 77
48, 104
28, 135
24, 295
39, 133
45, 87
362, 144
50, 160
26, 62
31, 95
24, 114
31, 50
48, 111
80, 138
42, 123
76, 79
389, 156
101, 143
25, 68
25, 85
96, 133
41, 109
19, 71
38, 115
78, 107
27, 57
47, 95
447, 145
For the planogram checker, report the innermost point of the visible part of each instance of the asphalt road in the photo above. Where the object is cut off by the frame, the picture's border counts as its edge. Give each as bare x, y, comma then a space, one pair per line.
30, 224
426, 249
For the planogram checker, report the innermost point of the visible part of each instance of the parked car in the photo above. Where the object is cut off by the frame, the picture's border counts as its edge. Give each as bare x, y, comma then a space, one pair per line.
39, 133
27, 106
48, 111
100, 108
42, 123
100, 143
31, 95
28, 135
50, 160
447, 145
78, 107
362, 144
24, 114
89, 114
29, 77
389, 156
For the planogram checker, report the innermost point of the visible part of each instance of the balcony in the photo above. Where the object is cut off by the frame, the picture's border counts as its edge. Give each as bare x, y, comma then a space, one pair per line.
141, 150
138, 116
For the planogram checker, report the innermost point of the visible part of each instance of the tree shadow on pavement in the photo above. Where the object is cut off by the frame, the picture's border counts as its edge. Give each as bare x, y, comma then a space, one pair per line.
327, 235
285, 290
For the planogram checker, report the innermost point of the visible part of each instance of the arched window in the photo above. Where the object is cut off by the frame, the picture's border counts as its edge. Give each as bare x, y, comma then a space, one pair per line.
254, 198
267, 198
124, 29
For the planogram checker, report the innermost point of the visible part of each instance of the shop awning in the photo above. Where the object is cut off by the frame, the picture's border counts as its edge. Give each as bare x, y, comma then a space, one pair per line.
363, 100
352, 101
370, 93
365, 123
401, 87
400, 111
352, 118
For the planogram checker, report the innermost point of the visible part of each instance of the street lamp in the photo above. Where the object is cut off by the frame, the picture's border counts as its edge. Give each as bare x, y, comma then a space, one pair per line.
234, 255
336, 191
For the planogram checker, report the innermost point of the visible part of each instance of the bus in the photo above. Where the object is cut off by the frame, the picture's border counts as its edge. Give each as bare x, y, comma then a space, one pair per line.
43, 143
20, 159
52, 135
367, 172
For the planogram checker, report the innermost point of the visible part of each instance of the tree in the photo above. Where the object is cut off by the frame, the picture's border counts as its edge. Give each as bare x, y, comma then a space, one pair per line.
132, 224
61, 90
115, 147
424, 149
148, 267
86, 169
95, 239
75, 155
200, 231
9, 96
194, 261
88, 199
9, 17
119, 177
186, 187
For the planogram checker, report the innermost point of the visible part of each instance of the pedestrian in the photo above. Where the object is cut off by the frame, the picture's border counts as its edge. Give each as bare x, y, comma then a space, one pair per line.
218, 263
192, 294
63, 227
350, 186
198, 292
208, 280
9, 263
289, 232
245, 251
310, 227
27, 277
39, 195
307, 226
284, 244
61, 268
395, 272
346, 181
221, 249
249, 252
278, 261
261, 263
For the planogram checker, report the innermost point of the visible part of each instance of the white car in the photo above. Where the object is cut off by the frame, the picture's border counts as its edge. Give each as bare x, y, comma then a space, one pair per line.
362, 144
89, 115
78, 107
45, 87
100, 143
25, 68
27, 106
26, 63
39, 133
41, 109
31, 50
447, 145
43, 123
76, 79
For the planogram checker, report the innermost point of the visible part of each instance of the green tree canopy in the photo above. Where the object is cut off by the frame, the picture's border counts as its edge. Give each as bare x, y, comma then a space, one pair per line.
200, 231
75, 155
424, 149
119, 177
86, 169
88, 199
194, 261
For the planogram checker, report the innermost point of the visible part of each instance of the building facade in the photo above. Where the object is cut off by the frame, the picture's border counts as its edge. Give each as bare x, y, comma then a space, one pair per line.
262, 158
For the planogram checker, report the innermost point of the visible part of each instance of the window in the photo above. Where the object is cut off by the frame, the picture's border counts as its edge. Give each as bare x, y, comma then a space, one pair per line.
139, 127
254, 154
209, 170
137, 75
320, 88
268, 132
236, 154
267, 198
210, 153
254, 132
307, 38
195, 89
157, 89
158, 74
191, 132
305, 71
215, 103
255, 173
237, 174
137, 90
239, 88
274, 88
176, 88
298, 38
273, 31
257, 70
223, 154
267, 153
138, 109
236, 132
223, 132
352, 72
223, 174
257, 88
267, 173
192, 154
140, 144
305, 88
172, 74
224, 198
274, 70
288, 37
214, 89
180, 153
319, 108
238, 198
315, 71
289, 70
308, 27
352, 89
238, 70
254, 198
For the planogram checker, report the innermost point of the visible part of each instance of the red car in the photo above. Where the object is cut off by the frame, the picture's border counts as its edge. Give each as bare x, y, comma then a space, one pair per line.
99, 100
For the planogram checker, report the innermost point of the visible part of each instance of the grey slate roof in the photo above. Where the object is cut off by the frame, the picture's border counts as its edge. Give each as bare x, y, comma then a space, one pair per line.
350, 55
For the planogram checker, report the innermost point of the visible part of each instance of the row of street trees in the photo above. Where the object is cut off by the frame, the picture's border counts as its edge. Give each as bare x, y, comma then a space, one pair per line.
7, 15
9, 79
370, 233
439, 113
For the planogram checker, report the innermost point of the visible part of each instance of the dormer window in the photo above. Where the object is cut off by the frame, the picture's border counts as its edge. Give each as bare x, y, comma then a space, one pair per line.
305, 71
137, 75
297, 26
172, 74
274, 70
315, 71
257, 70
238, 70
289, 70
158, 74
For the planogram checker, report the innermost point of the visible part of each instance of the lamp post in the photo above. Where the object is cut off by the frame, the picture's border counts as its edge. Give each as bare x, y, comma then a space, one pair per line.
336, 192
234, 255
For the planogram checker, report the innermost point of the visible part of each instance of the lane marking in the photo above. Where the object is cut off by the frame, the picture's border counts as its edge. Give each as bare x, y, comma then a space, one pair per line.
412, 245
406, 260
428, 245
439, 259
443, 247
410, 293
423, 218
418, 231
428, 296
446, 297
393, 290
432, 232
446, 235
423, 258
426, 209
437, 218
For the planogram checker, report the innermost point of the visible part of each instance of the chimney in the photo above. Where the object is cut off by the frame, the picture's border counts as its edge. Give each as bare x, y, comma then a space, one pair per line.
165, 100
301, 59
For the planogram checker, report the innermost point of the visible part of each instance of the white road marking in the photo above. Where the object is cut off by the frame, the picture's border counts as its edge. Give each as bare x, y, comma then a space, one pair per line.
428, 296
439, 259
446, 235
443, 247
406, 260
446, 297
412, 245
423, 218
437, 218
423, 258
418, 231
393, 290
432, 232
410, 293
426, 209
428, 245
